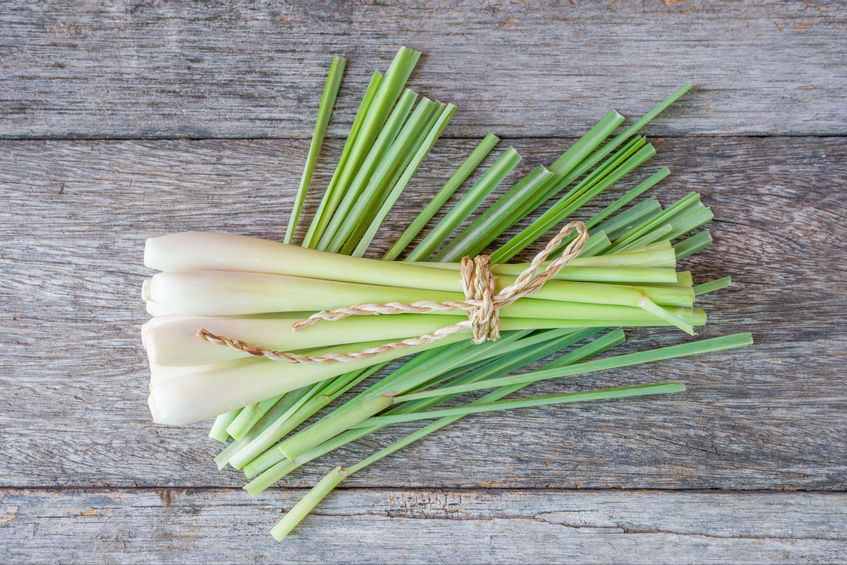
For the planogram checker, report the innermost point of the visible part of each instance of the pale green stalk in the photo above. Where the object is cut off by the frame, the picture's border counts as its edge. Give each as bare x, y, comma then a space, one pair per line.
333, 82
462, 173
693, 244
249, 415
218, 429
712, 286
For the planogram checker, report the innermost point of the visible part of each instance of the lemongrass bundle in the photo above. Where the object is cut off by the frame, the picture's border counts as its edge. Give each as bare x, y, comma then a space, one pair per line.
254, 292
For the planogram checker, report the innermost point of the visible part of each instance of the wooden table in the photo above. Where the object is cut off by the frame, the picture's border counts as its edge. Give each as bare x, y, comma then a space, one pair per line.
131, 119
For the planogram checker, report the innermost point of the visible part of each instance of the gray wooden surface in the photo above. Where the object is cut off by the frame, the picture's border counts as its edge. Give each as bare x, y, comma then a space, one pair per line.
197, 117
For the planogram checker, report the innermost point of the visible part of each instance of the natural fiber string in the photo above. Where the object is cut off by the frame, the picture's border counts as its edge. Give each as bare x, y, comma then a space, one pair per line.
481, 303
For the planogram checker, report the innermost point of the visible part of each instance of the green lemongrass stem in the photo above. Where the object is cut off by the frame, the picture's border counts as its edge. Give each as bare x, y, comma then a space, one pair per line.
218, 429
712, 286
400, 185
372, 205
297, 414
218, 391
562, 209
630, 219
386, 163
310, 240
671, 352
249, 415
376, 154
386, 95
697, 218
453, 183
308, 503
226, 293
564, 398
469, 202
333, 82
563, 169
276, 472
687, 202
623, 201
491, 223
287, 401
693, 244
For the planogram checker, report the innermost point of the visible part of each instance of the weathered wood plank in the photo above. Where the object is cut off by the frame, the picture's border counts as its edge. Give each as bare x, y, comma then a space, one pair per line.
255, 69
74, 215
423, 526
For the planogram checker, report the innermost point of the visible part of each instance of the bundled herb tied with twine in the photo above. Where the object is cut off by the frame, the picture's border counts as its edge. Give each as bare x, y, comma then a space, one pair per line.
263, 336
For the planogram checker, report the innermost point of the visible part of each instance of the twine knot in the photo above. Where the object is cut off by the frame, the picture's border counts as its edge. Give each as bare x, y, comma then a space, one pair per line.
482, 304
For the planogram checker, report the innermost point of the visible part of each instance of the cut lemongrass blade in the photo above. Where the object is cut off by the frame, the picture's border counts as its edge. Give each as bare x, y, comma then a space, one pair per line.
307, 503
691, 222
495, 219
630, 218
377, 152
390, 160
671, 352
628, 197
476, 194
218, 430
666, 216
559, 211
565, 398
333, 82
250, 415
587, 143
460, 176
712, 286
596, 244
693, 244
270, 475
404, 179
663, 313
311, 238
384, 99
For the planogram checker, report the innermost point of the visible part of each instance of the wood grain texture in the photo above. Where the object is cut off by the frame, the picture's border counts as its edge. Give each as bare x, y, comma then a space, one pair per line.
423, 526
74, 215
255, 69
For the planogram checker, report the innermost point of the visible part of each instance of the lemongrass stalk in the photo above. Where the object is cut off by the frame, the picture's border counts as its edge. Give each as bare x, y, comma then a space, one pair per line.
476, 194
310, 239
559, 211
376, 154
500, 365
386, 95
218, 429
630, 219
691, 222
712, 286
492, 222
375, 179
249, 415
308, 503
196, 396
564, 398
292, 519
693, 244
453, 183
401, 183
665, 217
297, 414
333, 82
671, 352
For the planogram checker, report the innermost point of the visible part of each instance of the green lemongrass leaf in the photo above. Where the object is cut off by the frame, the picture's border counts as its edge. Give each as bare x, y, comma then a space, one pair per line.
681, 206
386, 95
693, 244
389, 164
630, 218
249, 415
697, 218
218, 430
495, 219
333, 82
311, 238
477, 193
400, 185
460, 176
712, 286
565, 398
671, 352
307, 503
375, 158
